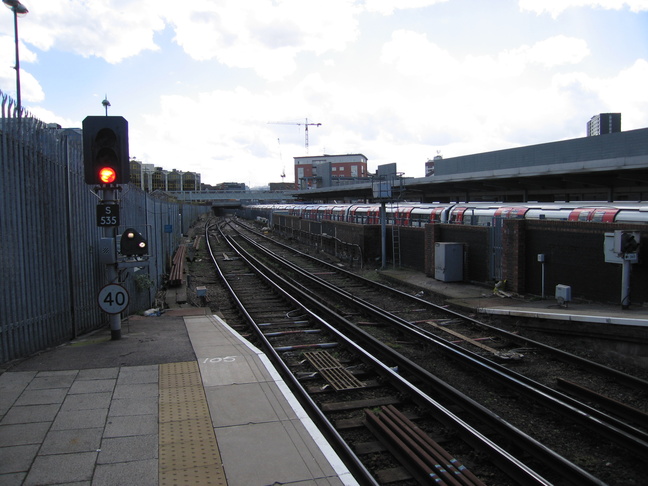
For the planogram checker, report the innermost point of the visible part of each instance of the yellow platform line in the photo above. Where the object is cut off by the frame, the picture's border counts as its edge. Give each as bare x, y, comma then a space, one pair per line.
188, 451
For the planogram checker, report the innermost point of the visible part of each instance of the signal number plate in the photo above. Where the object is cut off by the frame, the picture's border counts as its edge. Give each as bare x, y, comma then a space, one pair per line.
107, 215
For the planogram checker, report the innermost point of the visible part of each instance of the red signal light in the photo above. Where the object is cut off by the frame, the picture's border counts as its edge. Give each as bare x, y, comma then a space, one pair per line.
105, 150
107, 175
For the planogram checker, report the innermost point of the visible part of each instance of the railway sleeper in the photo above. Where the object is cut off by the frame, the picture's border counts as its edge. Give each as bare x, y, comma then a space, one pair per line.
424, 458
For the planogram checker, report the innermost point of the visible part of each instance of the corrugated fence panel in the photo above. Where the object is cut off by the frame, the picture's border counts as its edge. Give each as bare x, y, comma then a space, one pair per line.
49, 240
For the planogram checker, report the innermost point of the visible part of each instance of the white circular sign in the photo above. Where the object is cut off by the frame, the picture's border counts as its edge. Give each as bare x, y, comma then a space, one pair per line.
113, 299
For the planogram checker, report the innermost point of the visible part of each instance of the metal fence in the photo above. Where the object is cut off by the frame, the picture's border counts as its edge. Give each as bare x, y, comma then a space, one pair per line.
50, 274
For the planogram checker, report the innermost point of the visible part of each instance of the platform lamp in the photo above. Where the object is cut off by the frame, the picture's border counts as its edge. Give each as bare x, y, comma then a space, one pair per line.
18, 9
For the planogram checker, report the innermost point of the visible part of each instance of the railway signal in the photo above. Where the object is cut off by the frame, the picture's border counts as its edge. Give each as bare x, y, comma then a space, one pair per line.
105, 150
133, 244
629, 242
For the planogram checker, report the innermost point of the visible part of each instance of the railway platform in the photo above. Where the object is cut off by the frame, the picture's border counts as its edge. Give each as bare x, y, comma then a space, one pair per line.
484, 300
181, 399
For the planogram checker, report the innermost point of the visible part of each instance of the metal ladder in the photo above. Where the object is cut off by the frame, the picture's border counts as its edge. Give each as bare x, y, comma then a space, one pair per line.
396, 253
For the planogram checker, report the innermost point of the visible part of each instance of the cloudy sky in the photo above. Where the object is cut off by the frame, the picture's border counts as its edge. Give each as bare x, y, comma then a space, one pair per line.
201, 82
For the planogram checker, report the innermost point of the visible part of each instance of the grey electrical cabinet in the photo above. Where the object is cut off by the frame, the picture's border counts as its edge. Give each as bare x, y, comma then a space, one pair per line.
448, 262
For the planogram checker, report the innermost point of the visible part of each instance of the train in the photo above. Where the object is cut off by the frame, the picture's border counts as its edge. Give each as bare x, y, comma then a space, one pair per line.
414, 214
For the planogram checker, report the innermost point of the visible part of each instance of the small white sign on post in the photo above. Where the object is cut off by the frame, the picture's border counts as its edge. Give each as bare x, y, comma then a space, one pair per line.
113, 299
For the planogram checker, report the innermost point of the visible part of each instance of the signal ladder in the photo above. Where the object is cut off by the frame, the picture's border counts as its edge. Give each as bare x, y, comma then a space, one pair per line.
396, 252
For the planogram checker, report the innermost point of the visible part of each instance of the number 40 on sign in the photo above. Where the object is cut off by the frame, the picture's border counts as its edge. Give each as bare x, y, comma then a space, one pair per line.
113, 299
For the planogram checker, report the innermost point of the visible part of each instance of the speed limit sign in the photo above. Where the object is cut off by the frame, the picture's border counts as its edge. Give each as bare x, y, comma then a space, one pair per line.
113, 299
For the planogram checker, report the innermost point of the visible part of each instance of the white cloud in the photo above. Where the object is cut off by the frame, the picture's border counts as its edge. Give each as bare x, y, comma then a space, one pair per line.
556, 7
622, 93
229, 137
414, 55
264, 35
206, 105
388, 7
30, 88
556, 51
51, 117
112, 30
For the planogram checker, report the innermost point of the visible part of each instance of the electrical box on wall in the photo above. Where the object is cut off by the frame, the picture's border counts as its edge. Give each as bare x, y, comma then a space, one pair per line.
563, 293
107, 251
448, 262
611, 256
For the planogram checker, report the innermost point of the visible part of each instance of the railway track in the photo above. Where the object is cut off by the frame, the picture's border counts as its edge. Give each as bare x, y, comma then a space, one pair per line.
410, 334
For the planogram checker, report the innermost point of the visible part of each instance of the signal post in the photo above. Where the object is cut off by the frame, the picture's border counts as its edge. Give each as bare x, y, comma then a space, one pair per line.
106, 166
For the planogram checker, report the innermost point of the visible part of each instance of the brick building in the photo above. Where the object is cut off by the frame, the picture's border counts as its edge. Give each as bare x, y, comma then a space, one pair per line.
329, 170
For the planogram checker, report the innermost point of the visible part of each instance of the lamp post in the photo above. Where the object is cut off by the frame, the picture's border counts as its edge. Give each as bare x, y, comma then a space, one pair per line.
18, 9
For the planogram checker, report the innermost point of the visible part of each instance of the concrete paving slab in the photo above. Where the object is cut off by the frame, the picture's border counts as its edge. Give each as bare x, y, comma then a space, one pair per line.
73, 440
129, 425
98, 374
244, 403
30, 413
133, 406
11, 387
58, 373
61, 469
42, 397
223, 367
127, 449
140, 473
80, 419
87, 401
16, 479
23, 434
45, 381
17, 459
279, 461
138, 374
92, 386
136, 390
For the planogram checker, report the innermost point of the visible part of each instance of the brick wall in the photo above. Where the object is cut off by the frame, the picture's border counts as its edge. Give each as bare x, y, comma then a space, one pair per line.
574, 256
573, 252
513, 255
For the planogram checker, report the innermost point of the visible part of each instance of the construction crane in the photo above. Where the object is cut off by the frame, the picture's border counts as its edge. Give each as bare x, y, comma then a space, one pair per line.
306, 125
283, 170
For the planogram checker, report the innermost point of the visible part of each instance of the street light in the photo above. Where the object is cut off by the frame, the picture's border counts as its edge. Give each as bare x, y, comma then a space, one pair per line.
18, 9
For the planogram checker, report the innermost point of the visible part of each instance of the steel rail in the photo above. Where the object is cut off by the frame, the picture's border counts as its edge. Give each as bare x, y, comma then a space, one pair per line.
622, 433
564, 355
352, 462
503, 459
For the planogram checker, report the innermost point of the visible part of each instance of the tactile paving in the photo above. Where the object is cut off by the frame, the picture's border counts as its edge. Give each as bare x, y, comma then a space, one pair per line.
188, 448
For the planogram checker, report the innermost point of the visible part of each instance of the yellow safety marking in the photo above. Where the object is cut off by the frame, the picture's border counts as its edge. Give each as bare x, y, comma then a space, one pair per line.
189, 452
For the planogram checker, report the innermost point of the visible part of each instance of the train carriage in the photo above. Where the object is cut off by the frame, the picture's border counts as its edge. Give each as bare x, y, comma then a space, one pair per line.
481, 214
